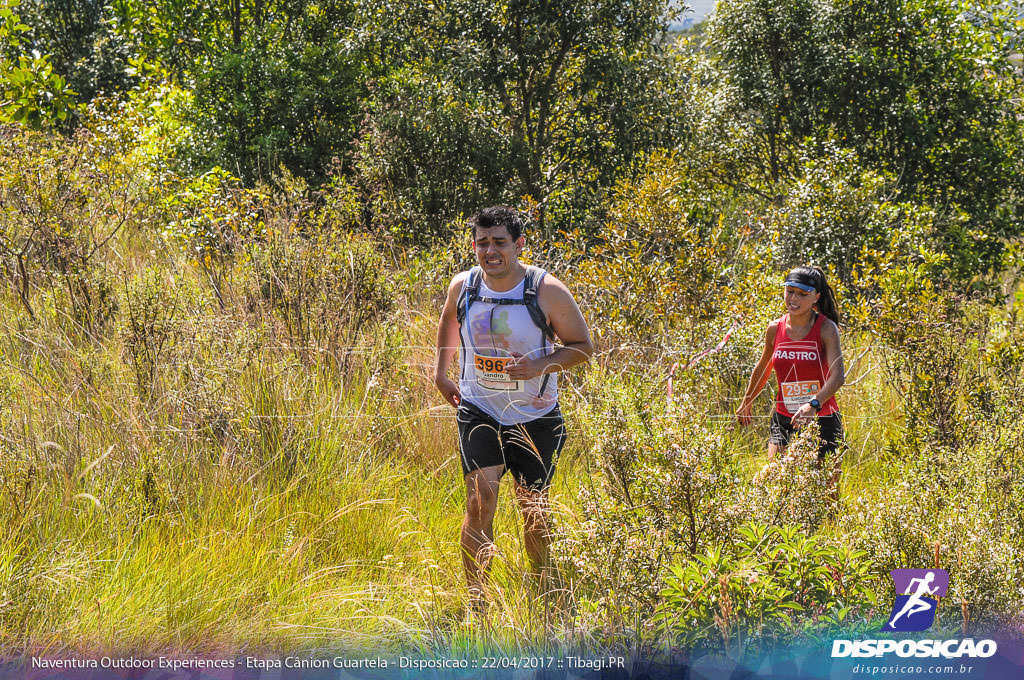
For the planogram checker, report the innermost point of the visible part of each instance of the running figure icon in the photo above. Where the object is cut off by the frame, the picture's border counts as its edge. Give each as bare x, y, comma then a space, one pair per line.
918, 592
915, 603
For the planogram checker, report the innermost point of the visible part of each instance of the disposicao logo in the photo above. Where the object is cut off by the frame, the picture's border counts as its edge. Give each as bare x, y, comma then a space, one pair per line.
917, 599
918, 592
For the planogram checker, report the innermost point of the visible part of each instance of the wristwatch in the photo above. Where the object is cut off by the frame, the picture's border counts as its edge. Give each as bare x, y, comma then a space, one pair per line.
815, 404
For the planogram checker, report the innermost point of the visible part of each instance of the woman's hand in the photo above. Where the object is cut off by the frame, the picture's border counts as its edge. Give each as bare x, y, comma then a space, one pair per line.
803, 415
743, 414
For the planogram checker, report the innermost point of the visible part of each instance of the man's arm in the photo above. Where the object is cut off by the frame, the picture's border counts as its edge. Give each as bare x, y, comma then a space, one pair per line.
448, 342
567, 322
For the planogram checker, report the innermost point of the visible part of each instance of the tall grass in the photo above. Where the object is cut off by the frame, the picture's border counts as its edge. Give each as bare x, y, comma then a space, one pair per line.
237, 445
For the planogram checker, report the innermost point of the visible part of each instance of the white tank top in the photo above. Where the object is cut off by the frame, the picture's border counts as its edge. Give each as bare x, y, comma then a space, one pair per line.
491, 333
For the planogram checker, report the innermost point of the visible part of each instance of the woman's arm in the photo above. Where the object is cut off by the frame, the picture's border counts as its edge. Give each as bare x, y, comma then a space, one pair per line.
759, 376
834, 356
836, 373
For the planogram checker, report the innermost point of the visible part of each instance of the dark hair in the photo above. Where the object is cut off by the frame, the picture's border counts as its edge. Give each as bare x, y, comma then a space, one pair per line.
827, 302
497, 216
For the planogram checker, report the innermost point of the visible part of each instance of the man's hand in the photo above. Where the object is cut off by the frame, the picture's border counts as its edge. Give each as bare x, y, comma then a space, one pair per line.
449, 390
523, 368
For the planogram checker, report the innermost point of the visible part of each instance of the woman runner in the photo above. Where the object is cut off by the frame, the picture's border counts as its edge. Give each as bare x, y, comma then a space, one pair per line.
802, 346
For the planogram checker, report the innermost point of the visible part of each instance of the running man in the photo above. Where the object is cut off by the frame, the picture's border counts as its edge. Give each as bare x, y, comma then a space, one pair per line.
502, 318
915, 603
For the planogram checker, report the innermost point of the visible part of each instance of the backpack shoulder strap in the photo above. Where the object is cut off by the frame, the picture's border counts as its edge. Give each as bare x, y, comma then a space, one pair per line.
470, 293
531, 284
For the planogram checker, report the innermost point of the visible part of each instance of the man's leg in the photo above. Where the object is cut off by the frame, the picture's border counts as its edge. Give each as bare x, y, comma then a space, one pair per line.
531, 452
536, 529
478, 525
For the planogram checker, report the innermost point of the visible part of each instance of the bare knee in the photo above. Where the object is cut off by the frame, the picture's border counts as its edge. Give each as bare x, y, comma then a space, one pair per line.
534, 506
481, 502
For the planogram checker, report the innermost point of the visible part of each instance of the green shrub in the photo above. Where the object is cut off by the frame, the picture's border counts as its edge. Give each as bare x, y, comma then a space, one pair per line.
794, 488
839, 214
665, 488
428, 158
773, 585
148, 327
329, 288
687, 276
30, 91
64, 204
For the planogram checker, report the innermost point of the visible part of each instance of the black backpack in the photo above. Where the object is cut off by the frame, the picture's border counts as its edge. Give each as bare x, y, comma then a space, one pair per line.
471, 293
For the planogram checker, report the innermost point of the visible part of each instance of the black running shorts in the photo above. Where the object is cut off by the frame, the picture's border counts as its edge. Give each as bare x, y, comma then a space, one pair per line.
528, 451
780, 431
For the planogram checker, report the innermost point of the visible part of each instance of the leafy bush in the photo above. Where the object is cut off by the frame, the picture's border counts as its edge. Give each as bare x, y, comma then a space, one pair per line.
212, 215
558, 101
30, 91
63, 204
269, 83
81, 45
773, 585
665, 488
427, 158
329, 288
795, 488
839, 214
685, 273
149, 326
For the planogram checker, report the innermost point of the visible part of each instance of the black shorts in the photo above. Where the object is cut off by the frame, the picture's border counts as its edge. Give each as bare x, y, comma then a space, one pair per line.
780, 430
528, 451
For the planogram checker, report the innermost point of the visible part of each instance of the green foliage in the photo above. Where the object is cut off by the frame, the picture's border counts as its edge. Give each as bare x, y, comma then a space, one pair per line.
148, 327
272, 83
64, 203
768, 55
175, 35
686, 272
566, 97
330, 288
836, 213
937, 341
287, 94
665, 488
771, 585
211, 215
923, 91
30, 91
428, 157
76, 37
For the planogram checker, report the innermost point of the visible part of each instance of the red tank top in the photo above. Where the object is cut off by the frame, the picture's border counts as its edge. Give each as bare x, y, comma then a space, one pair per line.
801, 368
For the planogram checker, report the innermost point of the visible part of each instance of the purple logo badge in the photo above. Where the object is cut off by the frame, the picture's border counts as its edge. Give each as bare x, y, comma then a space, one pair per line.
917, 597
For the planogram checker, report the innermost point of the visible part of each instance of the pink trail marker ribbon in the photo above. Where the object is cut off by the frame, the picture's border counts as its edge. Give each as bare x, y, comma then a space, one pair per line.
710, 350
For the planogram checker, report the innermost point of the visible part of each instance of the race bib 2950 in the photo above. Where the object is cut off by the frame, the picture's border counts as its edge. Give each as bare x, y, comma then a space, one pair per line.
796, 394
